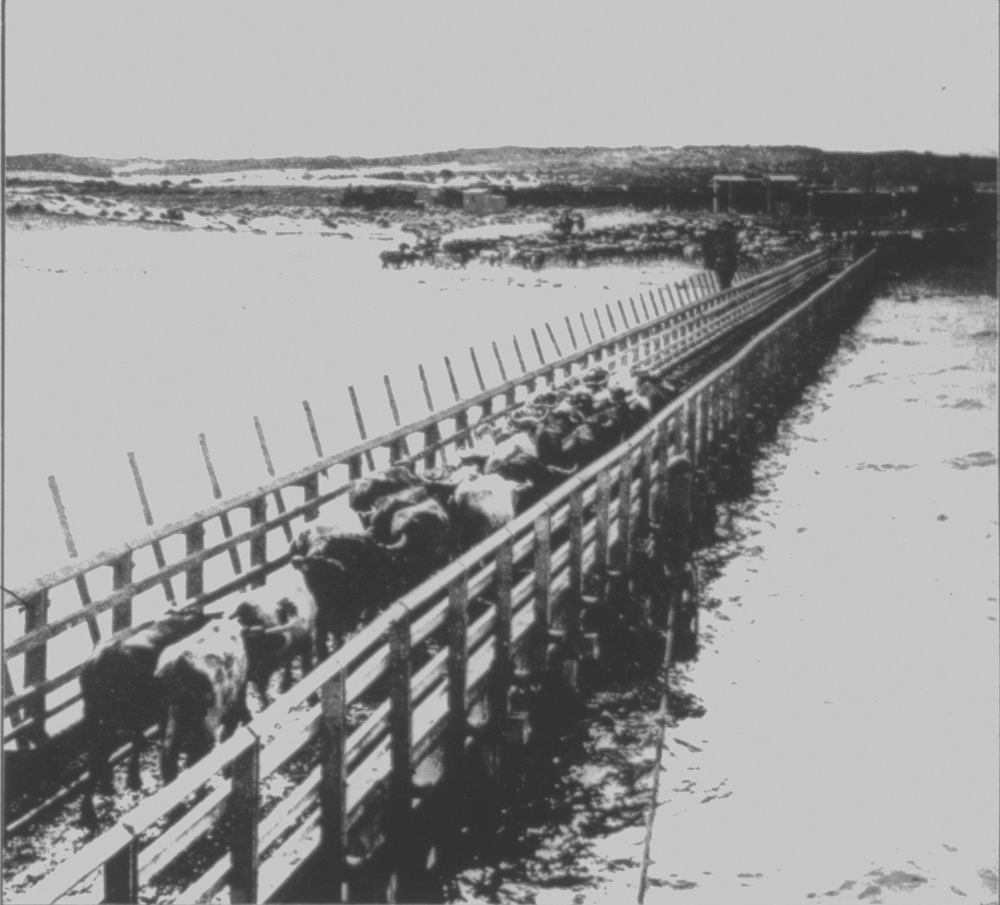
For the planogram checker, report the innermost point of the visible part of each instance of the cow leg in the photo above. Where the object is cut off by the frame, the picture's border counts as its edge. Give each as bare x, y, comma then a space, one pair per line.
173, 742
261, 683
100, 774
201, 740
138, 745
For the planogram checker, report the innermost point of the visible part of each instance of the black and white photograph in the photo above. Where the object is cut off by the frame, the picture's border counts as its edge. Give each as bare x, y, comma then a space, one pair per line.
525, 453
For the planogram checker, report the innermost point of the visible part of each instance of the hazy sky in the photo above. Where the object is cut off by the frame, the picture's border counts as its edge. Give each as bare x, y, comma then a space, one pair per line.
262, 79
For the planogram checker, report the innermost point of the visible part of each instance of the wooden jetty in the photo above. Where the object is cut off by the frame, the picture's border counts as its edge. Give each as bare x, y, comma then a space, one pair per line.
436, 668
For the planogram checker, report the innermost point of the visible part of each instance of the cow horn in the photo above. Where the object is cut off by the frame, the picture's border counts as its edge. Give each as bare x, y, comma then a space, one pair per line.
398, 545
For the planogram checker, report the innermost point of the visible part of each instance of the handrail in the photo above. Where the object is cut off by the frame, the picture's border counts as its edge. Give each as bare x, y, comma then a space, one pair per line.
76, 569
636, 341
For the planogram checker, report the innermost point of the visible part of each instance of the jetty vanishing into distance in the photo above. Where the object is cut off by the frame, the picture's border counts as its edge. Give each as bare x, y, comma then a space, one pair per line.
450, 673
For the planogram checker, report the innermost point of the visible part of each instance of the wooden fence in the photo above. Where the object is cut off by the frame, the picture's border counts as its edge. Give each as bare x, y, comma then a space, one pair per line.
125, 580
505, 600
478, 612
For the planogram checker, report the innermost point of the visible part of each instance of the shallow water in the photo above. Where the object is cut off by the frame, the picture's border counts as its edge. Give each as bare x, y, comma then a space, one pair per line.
849, 673
124, 339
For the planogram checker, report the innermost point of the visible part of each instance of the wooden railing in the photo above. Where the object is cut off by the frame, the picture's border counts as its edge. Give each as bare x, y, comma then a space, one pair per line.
495, 604
66, 611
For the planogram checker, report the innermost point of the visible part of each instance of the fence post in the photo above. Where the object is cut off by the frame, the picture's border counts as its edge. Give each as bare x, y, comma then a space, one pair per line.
399, 828
624, 563
538, 649
647, 452
121, 873
161, 563
571, 618
121, 577
243, 812
502, 673
674, 546
602, 505
36, 614
195, 575
333, 783
258, 545
458, 726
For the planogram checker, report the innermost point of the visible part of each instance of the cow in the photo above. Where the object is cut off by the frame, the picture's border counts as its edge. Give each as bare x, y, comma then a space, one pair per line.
419, 537
365, 493
203, 683
482, 505
351, 578
392, 258
276, 631
121, 697
378, 520
273, 647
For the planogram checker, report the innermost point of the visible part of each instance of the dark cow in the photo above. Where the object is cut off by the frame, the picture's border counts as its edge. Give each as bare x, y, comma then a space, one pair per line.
203, 681
420, 539
482, 505
365, 493
350, 576
276, 631
121, 697
392, 259
273, 647
378, 520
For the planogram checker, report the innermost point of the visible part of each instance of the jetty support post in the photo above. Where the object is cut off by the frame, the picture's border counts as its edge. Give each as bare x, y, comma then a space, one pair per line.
403, 854
455, 790
674, 548
505, 727
333, 785
243, 814
121, 872
36, 614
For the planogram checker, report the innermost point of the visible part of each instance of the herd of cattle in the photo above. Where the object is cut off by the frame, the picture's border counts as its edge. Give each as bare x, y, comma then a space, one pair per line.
687, 239
188, 671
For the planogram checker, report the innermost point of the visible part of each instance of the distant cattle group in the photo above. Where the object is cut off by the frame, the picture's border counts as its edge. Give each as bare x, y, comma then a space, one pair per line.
188, 672
701, 240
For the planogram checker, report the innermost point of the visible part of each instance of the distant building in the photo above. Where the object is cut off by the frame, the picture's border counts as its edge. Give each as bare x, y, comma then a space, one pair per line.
773, 194
483, 201
743, 194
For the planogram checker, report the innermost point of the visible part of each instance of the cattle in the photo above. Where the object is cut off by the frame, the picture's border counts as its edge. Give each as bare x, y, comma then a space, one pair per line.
482, 505
203, 683
380, 517
121, 697
392, 259
365, 493
419, 536
448, 261
276, 631
273, 647
351, 578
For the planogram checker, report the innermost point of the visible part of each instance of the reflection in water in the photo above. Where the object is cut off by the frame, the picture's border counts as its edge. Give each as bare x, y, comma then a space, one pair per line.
848, 738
